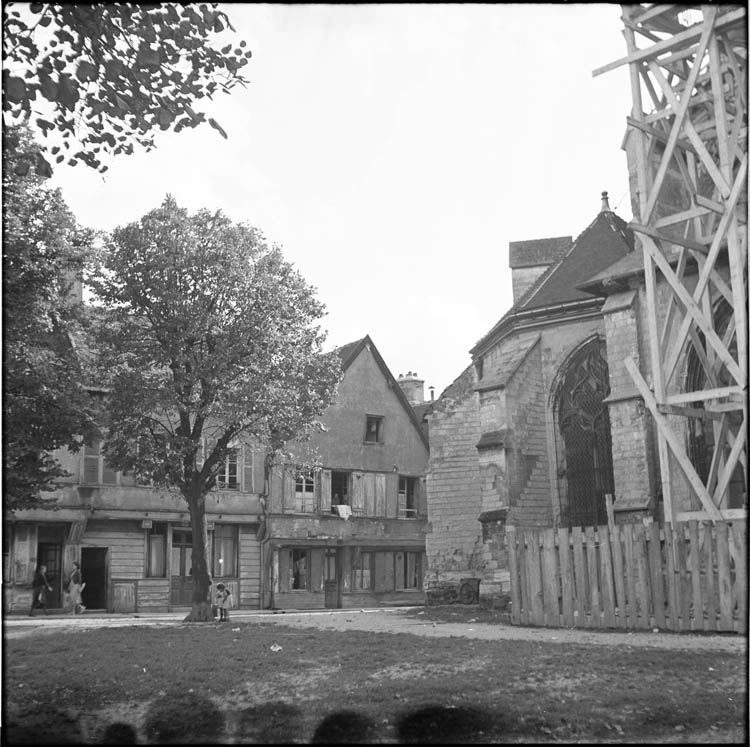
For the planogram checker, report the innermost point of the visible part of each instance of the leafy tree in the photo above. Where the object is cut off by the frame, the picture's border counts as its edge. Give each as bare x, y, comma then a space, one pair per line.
100, 77
45, 405
209, 336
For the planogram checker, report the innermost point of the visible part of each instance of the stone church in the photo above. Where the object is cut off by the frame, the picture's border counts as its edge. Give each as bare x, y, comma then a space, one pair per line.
546, 421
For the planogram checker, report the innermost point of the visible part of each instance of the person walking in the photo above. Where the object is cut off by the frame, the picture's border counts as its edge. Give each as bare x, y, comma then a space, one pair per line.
39, 589
75, 587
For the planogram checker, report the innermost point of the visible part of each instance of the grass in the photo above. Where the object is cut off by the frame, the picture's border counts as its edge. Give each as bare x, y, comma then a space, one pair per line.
204, 683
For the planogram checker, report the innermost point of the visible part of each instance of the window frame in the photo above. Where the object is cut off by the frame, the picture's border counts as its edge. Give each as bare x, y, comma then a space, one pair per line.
232, 458
410, 509
152, 532
221, 533
101, 465
379, 422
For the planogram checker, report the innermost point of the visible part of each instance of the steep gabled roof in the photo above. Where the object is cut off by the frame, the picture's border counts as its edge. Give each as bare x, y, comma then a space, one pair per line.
349, 353
605, 241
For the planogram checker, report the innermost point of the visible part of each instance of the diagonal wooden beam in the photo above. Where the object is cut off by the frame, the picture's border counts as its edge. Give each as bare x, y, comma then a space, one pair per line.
673, 442
694, 311
678, 41
680, 113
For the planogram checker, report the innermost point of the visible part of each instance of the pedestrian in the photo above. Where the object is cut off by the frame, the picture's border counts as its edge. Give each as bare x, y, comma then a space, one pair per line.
39, 589
75, 587
223, 602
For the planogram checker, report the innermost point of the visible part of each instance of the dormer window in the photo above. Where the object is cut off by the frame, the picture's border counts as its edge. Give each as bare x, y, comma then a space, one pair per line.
374, 429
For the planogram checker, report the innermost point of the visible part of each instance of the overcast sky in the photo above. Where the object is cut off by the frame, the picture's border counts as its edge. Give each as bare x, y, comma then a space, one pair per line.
394, 151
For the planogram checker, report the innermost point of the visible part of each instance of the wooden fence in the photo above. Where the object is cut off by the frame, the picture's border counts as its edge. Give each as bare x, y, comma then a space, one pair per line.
687, 576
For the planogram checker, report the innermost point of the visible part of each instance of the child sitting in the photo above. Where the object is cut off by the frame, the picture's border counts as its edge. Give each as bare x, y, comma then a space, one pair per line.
223, 602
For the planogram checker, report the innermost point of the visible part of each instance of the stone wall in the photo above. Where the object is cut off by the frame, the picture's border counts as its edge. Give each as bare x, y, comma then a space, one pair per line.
453, 488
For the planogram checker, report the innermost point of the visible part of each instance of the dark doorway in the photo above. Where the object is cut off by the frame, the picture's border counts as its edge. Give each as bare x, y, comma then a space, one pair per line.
50, 555
182, 561
584, 425
94, 572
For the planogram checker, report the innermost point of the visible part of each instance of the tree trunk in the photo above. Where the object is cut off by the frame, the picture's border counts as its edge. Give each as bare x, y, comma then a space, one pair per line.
201, 609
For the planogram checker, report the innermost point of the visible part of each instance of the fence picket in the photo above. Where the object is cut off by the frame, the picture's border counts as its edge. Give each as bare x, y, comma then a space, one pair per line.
739, 529
580, 578
694, 560
656, 569
596, 616
549, 572
711, 601
566, 576
608, 589
642, 585
535, 577
725, 581
682, 580
615, 541
630, 573
673, 619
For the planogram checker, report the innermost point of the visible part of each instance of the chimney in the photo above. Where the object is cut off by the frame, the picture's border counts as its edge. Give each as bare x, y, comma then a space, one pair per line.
528, 260
413, 387
605, 204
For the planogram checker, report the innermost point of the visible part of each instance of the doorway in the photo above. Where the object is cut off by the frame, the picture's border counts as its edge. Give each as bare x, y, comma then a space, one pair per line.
94, 572
181, 587
50, 554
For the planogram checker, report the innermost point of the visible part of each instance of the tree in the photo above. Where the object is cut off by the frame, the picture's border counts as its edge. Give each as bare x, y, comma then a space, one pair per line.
209, 336
45, 403
101, 77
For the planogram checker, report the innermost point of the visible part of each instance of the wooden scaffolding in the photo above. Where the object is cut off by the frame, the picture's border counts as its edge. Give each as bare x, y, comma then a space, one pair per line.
689, 64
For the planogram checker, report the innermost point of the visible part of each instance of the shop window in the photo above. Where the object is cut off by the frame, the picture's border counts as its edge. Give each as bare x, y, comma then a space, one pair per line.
374, 429
157, 551
362, 572
407, 497
224, 555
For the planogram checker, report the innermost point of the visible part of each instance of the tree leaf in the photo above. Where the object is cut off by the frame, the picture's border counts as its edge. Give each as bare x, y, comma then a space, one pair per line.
217, 127
14, 89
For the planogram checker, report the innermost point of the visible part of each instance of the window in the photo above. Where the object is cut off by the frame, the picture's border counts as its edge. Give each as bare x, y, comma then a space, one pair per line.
408, 570
362, 572
407, 497
304, 491
374, 429
339, 490
95, 469
156, 539
227, 479
224, 555
300, 569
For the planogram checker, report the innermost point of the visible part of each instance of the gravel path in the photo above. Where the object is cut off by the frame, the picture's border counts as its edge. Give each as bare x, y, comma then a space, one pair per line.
397, 621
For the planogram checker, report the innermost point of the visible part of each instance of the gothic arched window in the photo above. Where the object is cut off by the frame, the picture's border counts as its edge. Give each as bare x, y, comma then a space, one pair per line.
583, 419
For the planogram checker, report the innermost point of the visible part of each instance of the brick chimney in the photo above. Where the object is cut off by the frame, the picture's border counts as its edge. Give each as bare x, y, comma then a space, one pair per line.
412, 386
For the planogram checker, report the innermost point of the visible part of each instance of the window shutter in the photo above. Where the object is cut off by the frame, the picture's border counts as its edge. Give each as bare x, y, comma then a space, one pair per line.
325, 491
25, 555
380, 494
420, 499
288, 489
358, 493
369, 480
402, 497
91, 464
248, 460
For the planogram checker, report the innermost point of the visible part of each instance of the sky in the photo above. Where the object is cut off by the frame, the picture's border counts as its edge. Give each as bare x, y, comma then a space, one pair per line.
393, 152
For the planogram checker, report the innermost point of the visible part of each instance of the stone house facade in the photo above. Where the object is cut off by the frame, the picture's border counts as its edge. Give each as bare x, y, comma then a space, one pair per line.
346, 513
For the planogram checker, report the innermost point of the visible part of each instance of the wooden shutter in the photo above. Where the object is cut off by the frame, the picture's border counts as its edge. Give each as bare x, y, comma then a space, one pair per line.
358, 493
380, 494
317, 569
391, 495
289, 499
25, 553
248, 458
91, 464
285, 570
325, 491
369, 480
